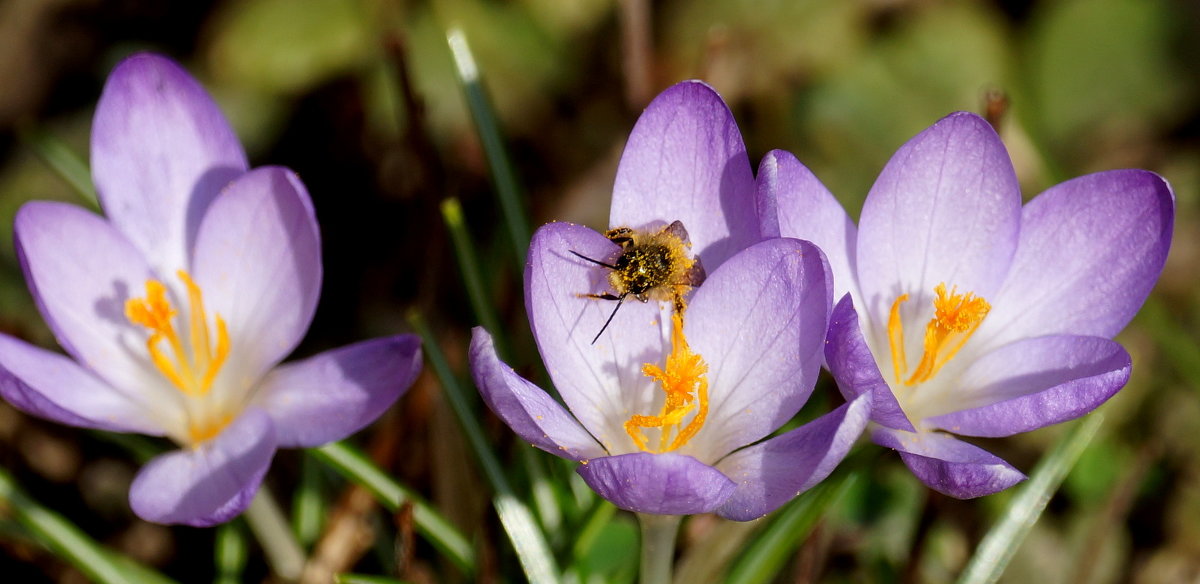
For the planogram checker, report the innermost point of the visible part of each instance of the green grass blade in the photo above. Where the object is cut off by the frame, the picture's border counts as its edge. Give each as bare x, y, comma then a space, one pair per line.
518, 521
761, 562
70, 543
308, 507
1001, 543
365, 579
64, 161
468, 262
230, 552
355, 465
511, 203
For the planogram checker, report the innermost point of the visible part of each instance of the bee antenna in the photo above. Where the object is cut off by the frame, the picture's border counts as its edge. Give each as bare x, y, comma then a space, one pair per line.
597, 262
610, 317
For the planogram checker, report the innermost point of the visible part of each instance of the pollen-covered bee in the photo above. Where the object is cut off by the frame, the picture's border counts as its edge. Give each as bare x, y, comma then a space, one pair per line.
652, 266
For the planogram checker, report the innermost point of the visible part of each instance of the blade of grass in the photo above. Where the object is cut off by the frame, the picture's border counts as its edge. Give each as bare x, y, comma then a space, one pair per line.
507, 191
468, 263
357, 467
63, 160
777, 543
518, 521
230, 552
69, 542
308, 508
1001, 542
364, 579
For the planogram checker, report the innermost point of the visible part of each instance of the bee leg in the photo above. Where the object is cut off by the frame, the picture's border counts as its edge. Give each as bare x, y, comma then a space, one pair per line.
610, 316
604, 296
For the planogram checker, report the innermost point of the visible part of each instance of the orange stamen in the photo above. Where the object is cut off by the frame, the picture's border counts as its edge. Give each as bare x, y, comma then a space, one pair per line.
682, 378
955, 318
191, 372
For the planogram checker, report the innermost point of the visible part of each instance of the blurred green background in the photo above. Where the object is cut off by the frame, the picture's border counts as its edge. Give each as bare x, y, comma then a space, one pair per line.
361, 99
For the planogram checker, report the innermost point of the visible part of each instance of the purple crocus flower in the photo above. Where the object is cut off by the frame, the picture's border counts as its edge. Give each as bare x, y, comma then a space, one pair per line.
664, 403
977, 316
177, 308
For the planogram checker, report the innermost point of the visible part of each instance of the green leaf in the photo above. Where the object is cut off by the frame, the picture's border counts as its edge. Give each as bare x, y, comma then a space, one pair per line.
230, 552
70, 543
515, 516
508, 193
1001, 542
355, 465
789, 527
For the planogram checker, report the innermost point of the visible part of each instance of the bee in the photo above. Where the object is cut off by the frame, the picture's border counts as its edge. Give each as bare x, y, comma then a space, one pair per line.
651, 266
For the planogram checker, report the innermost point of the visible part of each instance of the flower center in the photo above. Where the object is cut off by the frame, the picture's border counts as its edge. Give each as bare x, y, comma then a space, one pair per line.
682, 378
192, 366
955, 318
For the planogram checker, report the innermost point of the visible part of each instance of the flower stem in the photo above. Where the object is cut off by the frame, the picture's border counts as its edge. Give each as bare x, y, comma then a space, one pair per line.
658, 546
275, 535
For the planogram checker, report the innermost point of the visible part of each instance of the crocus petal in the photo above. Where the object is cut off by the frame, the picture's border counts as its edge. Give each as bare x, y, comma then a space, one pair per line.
52, 386
81, 271
807, 210
685, 160
663, 484
855, 370
946, 208
602, 383
528, 410
1091, 249
758, 321
161, 151
770, 473
211, 483
334, 394
258, 261
949, 465
1034, 383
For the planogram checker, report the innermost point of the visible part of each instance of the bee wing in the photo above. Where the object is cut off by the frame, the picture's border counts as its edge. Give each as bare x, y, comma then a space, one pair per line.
695, 275
677, 229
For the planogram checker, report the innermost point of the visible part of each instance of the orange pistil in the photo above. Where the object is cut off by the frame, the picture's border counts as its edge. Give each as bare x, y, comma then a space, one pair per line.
683, 380
955, 318
191, 372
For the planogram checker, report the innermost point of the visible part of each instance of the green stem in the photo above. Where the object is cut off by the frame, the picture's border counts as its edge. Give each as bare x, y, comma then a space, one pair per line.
275, 535
658, 546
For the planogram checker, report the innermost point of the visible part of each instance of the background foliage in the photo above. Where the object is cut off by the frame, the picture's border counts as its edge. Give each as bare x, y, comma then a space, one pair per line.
361, 98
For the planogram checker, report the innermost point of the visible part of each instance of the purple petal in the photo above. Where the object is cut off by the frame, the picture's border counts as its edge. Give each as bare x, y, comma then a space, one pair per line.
759, 322
770, 473
528, 410
949, 465
258, 261
1034, 383
946, 208
601, 383
807, 210
855, 369
51, 386
81, 271
685, 160
1091, 249
663, 484
161, 151
334, 394
208, 484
